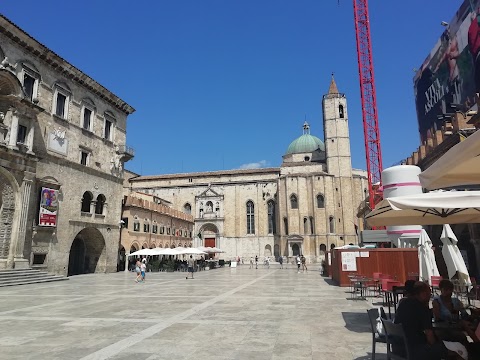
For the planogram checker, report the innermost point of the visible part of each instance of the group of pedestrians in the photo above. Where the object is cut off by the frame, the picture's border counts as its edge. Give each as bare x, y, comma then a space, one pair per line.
140, 268
300, 261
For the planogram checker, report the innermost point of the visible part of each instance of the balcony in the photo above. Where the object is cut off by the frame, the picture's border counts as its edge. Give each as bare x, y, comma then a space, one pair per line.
126, 152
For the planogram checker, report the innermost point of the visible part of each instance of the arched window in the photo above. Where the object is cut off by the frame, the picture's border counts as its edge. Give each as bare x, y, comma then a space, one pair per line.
312, 225
268, 250
250, 218
323, 248
331, 221
285, 225
187, 208
86, 201
271, 216
305, 225
99, 206
340, 111
320, 201
293, 201
295, 250
332, 246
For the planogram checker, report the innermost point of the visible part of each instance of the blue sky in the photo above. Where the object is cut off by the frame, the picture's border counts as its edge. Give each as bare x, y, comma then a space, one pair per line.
218, 84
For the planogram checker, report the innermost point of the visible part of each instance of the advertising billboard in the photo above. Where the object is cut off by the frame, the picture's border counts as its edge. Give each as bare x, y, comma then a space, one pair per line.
449, 78
48, 207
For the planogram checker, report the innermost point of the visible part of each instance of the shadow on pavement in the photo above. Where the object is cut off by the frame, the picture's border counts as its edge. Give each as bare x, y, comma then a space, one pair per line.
357, 322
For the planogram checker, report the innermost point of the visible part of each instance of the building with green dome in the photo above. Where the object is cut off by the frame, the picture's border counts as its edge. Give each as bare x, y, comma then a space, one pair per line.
306, 206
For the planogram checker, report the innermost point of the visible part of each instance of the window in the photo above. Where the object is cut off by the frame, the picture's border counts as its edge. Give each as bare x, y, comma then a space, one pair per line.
86, 201
125, 222
320, 201
305, 225
109, 126
168, 231
146, 227
331, 221
100, 204
187, 208
61, 101
30, 78
293, 201
209, 206
250, 218
341, 112
312, 225
22, 134
87, 118
271, 216
84, 157
29, 86
154, 228
136, 226
285, 224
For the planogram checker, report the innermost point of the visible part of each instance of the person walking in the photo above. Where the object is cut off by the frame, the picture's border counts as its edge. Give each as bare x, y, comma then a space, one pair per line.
280, 261
298, 263
251, 263
138, 271
267, 262
191, 266
143, 268
304, 263
256, 262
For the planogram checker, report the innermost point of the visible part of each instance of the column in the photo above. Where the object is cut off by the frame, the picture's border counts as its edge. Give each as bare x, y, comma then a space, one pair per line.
12, 142
20, 261
127, 259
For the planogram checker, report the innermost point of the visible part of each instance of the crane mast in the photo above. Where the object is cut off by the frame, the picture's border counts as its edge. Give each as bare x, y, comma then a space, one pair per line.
369, 100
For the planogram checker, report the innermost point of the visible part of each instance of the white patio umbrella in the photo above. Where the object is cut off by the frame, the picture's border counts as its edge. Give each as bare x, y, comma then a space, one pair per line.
167, 251
433, 208
453, 257
142, 252
426, 258
458, 166
192, 251
216, 250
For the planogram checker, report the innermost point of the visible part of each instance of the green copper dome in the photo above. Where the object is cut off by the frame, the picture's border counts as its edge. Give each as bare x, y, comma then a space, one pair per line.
305, 143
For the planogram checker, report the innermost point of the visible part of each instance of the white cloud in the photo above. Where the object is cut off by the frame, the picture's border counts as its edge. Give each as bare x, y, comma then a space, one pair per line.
255, 165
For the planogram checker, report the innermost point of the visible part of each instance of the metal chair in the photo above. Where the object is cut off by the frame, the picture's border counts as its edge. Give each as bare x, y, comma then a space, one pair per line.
395, 331
373, 315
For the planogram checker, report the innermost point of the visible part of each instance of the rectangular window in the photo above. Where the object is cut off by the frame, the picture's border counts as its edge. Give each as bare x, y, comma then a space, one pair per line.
87, 118
108, 130
154, 229
21, 134
84, 158
60, 108
136, 226
146, 227
29, 85
162, 229
125, 222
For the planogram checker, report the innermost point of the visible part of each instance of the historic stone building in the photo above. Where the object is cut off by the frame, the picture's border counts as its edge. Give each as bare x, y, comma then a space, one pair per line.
149, 222
62, 149
305, 206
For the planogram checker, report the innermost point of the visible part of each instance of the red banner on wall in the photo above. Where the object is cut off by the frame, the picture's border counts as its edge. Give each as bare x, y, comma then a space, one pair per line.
48, 207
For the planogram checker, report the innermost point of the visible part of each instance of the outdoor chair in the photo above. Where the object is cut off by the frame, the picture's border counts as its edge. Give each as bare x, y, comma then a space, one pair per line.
373, 315
395, 332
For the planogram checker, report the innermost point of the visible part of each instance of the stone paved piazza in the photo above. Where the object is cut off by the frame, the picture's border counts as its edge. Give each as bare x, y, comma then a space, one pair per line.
230, 313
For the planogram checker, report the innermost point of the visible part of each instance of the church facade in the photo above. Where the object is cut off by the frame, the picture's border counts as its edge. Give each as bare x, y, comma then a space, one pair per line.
306, 206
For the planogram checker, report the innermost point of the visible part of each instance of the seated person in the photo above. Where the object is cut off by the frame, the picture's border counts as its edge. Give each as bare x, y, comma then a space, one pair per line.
407, 291
415, 316
448, 308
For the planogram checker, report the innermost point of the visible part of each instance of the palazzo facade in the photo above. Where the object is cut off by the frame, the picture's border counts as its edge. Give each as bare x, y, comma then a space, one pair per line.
305, 206
62, 149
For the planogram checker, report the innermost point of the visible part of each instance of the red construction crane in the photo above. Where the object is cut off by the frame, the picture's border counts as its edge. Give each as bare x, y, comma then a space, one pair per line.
371, 131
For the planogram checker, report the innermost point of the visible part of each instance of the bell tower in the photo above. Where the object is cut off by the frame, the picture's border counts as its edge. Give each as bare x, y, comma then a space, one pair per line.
335, 129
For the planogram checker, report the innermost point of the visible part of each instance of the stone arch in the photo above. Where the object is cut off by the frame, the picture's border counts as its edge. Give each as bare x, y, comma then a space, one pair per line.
87, 252
9, 84
268, 250
209, 234
323, 249
134, 247
295, 249
145, 246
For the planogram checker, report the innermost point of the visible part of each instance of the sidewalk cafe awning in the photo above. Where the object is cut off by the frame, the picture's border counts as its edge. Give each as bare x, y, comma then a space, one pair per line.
434, 208
458, 166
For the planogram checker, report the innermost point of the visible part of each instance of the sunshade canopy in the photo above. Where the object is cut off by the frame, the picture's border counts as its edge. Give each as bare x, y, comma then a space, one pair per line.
458, 166
434, 208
